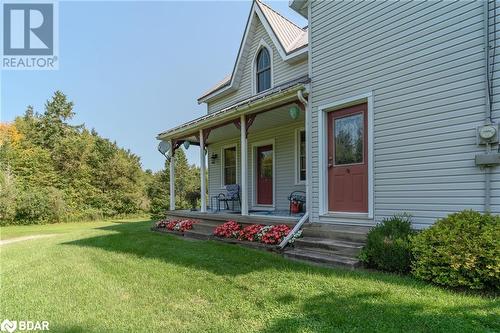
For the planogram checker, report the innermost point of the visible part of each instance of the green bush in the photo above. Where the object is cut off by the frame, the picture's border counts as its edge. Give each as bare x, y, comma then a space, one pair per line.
388, 245
8, 194
461, 250
40, 206
192, 197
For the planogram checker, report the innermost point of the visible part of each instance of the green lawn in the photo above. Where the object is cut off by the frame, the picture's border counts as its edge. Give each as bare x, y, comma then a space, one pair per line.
120, 277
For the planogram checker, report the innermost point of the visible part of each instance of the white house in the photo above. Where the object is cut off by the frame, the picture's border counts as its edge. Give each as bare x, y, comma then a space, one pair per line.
375, 108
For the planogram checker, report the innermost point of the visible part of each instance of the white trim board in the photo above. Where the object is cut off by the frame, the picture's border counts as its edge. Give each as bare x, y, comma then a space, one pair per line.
255, 145
323, 148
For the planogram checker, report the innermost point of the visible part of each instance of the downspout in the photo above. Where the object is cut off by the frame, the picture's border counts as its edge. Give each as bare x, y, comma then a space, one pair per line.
487, 113
302, 99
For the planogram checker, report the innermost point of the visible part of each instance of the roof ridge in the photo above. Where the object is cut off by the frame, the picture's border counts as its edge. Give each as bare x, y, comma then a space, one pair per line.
275, 11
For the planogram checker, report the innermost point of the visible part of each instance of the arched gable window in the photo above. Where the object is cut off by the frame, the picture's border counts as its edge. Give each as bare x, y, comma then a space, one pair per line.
263, 70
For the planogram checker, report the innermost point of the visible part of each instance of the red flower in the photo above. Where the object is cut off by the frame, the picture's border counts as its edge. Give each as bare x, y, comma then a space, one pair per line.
250, 232
185, 225
171, 224
230, 229
276, 234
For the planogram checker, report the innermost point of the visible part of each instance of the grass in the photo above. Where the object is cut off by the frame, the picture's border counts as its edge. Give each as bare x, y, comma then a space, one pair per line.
120, 277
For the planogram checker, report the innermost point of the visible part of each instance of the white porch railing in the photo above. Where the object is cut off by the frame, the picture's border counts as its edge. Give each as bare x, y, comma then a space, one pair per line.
296, 228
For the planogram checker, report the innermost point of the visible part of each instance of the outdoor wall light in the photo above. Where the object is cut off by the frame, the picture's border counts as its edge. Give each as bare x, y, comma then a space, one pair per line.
294, 112
213, 157
186, 144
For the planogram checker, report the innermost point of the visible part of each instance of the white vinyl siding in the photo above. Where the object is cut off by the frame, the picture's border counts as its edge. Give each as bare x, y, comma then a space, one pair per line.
284, 150
282, 71
424, 64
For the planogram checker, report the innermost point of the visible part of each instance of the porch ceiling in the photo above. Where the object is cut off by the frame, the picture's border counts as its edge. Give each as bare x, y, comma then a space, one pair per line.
270, 119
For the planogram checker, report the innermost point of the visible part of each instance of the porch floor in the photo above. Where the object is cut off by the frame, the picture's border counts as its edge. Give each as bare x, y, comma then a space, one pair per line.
258, 217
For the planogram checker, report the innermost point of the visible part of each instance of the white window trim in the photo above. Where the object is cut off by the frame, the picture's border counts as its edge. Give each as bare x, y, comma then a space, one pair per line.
255, 145
222, 164
297, 156
262, 44
323, 150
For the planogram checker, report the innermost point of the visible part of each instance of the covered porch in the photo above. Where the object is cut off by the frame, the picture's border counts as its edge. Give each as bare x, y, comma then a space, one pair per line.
258, 146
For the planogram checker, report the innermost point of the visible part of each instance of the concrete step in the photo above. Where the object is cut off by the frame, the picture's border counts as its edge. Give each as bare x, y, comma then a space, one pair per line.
203, 227
338, 234
350, 249
320, 257
197, 234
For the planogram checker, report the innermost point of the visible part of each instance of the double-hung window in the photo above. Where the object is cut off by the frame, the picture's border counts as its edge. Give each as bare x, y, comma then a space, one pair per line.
229, 166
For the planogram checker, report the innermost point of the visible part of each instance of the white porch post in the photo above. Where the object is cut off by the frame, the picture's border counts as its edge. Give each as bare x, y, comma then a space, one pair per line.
202, 173
244, 166
172, 176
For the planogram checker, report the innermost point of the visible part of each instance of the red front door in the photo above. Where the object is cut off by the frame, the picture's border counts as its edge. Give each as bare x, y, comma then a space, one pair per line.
265, 175
348, 160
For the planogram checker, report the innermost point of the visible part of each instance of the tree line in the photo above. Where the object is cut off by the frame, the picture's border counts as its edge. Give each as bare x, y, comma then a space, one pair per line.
52, 171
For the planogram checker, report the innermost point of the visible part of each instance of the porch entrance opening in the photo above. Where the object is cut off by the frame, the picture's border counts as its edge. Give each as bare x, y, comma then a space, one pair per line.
265, 175
348, 160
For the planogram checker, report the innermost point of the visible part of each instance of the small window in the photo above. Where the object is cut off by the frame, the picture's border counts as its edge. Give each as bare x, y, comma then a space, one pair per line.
349, 139
263, 73
301, 154
229, 167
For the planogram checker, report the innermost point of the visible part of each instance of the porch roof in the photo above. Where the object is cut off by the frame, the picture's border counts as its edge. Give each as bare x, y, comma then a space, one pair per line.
253, 104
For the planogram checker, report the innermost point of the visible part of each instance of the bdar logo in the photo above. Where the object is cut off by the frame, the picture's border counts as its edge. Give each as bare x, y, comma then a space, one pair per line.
8, 326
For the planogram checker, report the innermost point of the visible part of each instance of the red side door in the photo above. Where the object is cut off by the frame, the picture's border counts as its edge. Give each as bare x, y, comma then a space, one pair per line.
348, 160
265, 175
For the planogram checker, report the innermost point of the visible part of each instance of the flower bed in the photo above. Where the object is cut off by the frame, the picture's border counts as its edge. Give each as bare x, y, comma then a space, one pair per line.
175, 225
266, 234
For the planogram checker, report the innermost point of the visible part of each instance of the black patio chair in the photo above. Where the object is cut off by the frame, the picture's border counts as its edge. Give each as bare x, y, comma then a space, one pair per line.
296, 196
232, 195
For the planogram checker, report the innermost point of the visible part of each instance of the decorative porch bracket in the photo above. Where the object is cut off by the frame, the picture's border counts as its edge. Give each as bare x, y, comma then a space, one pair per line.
206, 134
248, 123
176, 145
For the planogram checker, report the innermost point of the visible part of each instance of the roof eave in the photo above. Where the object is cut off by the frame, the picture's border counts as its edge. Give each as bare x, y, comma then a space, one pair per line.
250, 105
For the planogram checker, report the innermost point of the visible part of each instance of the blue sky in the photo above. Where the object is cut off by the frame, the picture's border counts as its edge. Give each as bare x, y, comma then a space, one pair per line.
134, 69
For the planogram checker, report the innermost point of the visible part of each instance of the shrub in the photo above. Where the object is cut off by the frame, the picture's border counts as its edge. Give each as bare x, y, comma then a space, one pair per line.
35, 206
388, 245
461, 250
192, 197
8, 194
